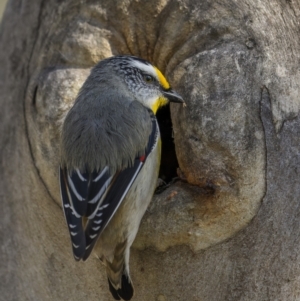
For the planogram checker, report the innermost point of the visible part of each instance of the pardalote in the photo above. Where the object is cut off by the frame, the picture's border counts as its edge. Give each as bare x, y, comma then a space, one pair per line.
110, 157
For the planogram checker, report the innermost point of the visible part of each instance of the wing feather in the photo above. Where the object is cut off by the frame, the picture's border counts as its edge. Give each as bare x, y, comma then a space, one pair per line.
77, 184
73, 220
97, 195
99, 184
110, 204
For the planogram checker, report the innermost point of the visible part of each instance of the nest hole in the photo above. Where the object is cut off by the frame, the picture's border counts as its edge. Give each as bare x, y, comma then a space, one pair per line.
169, 162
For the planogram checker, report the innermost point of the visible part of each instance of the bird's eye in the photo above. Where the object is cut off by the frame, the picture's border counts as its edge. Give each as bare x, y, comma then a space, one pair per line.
148, 78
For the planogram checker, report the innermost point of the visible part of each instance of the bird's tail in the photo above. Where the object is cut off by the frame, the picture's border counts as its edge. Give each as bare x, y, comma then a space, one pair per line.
119, 281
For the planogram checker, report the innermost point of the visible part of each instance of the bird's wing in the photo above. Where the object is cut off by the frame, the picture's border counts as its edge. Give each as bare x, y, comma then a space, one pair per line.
70, 204
97, 196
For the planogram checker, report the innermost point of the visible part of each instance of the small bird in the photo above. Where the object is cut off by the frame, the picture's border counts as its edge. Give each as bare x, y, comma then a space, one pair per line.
110, 157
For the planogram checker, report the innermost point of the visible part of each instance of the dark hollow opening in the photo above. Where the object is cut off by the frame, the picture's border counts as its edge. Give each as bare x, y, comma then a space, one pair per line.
169, 163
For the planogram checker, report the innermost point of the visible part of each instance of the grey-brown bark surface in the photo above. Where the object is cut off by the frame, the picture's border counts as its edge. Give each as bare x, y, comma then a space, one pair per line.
229, 231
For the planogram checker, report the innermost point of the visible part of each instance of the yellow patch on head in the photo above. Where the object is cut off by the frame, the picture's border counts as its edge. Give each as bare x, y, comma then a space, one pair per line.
162, 79
161, 101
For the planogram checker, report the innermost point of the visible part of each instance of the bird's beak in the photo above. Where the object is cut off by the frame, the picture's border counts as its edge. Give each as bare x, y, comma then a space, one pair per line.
173, 96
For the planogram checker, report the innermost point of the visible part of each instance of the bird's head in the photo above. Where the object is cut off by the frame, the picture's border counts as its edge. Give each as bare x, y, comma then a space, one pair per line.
146, 82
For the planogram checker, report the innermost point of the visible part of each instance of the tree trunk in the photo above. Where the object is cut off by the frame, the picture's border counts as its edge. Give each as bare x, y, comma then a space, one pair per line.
228, 230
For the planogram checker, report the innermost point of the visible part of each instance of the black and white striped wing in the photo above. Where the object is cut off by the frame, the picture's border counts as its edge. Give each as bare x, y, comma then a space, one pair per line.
73, 218
97, 196
106, 209
81, 194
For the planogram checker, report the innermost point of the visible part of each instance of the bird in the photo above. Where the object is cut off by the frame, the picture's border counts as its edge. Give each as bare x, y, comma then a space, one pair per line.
110, 156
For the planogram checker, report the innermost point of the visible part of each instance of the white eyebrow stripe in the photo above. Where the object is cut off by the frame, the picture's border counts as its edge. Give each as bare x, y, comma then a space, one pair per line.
146, 68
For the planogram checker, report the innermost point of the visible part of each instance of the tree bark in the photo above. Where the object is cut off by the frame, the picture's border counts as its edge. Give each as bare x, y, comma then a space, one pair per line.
228, 230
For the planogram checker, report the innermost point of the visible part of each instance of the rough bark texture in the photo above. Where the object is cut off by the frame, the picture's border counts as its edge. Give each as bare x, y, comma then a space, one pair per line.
229, 231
